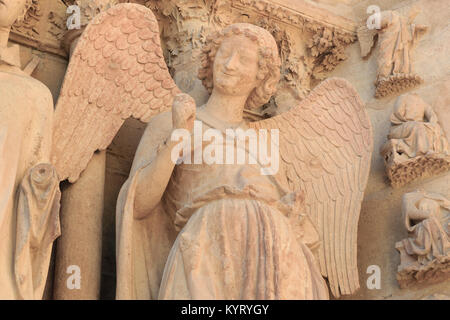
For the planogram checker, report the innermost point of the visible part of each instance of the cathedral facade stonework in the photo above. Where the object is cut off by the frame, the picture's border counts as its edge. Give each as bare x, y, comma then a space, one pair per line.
351, 97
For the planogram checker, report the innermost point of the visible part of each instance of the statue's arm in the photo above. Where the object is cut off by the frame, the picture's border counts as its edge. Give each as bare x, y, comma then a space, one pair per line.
41, 125
157, 164
410, 210
152, 181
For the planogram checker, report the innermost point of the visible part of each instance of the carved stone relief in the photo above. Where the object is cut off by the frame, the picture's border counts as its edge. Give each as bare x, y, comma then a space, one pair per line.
42, 27
28, 25
82, 202
240, 67
425, 254
417, 146
311, 42
397, 36
29, 186
123, 65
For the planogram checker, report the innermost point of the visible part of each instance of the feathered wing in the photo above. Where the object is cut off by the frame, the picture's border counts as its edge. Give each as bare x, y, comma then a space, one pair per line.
325, 150
116, 71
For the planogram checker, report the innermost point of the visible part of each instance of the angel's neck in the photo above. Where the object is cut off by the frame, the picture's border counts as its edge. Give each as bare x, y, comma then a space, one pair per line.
229, 109
9, 54
4, 36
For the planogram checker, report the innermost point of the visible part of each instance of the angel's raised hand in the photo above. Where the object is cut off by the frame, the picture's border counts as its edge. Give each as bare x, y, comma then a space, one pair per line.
183, 112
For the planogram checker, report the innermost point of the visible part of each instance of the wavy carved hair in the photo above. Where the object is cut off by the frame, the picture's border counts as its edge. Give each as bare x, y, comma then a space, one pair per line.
268, 61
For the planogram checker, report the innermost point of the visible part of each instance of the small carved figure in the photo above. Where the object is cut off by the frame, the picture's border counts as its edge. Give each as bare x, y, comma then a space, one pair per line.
397, 36
425, 254
206, 231
417, 145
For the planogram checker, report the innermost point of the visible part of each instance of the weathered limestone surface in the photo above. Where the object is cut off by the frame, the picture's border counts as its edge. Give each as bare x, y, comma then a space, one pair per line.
80, 243
29, 185
417, 146
425, 253
82, 203
381, 224
199, 211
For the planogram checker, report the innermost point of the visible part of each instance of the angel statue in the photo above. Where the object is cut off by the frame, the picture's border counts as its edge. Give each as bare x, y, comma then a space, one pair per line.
205, 230
116, 71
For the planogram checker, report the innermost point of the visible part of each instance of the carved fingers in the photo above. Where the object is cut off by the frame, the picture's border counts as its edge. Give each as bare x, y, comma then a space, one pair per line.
183, 112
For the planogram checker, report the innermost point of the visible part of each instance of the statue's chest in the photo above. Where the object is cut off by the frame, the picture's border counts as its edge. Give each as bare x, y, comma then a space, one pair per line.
16, 103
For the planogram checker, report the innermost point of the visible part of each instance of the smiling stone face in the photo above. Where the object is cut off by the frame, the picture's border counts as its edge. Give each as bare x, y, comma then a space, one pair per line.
236, 66
10, 10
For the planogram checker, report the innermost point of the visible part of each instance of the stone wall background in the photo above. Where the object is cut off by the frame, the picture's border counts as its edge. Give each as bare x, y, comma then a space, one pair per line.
380, 225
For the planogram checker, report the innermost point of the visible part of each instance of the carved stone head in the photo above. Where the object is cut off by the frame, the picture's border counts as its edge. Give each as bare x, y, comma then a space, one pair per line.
12, 10
409, 107
241, 59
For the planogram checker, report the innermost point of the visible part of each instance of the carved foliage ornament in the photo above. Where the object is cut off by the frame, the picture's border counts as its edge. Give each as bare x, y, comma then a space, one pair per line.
26, 23
42, 26
327, 43
186, 24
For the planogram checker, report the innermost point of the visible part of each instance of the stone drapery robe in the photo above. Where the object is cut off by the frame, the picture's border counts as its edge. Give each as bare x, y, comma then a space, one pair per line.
429, 236
29, 187
234, 240
396, 38
416, 125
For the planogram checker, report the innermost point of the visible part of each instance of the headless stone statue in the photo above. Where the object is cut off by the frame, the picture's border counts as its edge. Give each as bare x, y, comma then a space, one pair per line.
29, 190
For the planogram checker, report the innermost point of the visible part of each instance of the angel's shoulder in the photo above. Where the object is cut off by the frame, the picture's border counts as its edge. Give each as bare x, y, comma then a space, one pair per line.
159, 127
43, 97
158, 130
27, 88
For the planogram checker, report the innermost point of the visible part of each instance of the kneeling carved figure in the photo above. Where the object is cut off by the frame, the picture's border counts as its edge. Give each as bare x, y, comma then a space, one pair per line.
416, 145
425, 254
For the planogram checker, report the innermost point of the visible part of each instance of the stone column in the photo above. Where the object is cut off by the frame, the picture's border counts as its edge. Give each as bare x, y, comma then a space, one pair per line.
80, 246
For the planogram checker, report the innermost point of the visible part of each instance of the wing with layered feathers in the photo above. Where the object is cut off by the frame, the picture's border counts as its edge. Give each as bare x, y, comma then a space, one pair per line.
325, 148
116, 71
